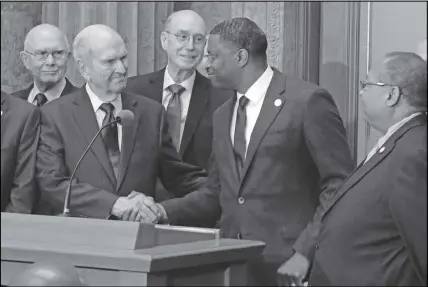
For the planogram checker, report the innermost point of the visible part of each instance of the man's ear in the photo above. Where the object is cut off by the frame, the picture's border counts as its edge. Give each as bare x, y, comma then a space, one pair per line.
242, 57
164, 40
25, 60
83, 70
393, 97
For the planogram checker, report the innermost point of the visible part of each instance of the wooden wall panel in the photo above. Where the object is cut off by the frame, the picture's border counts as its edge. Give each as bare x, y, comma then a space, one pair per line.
17, 18
140, 24
339, 61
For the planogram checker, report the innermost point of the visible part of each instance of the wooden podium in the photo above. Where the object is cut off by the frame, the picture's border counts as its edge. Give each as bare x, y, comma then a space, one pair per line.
118, 253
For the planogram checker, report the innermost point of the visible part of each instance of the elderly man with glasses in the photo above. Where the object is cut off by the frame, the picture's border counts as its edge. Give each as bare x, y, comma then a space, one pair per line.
45, 55
374, 233
187, 96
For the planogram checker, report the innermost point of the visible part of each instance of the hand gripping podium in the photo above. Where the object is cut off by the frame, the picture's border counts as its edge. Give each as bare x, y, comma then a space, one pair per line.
119, 253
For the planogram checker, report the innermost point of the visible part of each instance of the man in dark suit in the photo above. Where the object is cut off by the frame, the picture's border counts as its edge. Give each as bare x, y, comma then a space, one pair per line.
374, 233
124, 163
279, 154
184, 40
46, 53
19, 136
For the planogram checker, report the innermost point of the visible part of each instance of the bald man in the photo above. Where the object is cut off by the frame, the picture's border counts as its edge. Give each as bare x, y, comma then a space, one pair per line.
124, 162
188, 97
46, 53
374, 232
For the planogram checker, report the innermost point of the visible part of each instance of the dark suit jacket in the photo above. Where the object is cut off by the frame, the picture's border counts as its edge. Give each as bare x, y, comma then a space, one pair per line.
67, 126
23, 94
375, 231
297, 157
19, 135
196, 142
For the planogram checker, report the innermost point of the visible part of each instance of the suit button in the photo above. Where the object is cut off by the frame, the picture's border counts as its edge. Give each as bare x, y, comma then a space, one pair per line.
317, 247
239, 236
241, 200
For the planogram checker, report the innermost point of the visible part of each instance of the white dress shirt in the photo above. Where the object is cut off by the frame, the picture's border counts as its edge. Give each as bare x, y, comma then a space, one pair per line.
389, 133
100, 114
184, 97
256, 95
51, 94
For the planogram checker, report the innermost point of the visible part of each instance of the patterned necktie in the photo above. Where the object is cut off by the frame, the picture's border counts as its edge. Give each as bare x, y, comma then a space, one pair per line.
239, 144
41, 99
110, 136
173, 113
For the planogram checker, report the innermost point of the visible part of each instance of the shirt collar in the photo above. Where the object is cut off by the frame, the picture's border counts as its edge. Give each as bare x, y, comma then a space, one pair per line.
187, 84
258, 90
97, 102
396, 127
51, 94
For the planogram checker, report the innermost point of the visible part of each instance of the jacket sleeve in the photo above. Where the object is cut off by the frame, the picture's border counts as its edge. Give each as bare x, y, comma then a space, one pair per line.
325, 137
23, 192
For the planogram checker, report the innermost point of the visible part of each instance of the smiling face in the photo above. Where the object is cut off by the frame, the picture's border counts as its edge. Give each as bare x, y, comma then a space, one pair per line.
46, 40
182, 40
106, 66
222, 67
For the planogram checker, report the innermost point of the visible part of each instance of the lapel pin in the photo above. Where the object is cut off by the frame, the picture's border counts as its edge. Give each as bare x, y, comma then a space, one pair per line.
382, 149
277, 102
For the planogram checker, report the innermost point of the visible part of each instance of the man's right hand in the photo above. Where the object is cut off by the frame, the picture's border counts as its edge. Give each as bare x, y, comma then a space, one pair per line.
124, 209
150, 211
293, 271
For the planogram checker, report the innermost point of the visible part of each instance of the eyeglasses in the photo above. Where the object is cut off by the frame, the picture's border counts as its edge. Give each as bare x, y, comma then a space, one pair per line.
364, 84
185, 38
43, 55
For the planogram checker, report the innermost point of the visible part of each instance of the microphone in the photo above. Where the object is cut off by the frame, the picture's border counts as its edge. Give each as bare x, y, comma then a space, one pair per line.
124, 118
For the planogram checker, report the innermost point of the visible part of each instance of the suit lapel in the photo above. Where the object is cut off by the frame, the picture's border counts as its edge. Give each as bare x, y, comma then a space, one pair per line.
198, 102
268, 113
68, 88
85, 118
128, 136
155, 89
223, 120
375, 160
24, 94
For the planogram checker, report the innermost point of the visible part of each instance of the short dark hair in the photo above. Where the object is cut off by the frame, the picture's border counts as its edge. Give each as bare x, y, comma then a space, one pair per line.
408, 71
244, 34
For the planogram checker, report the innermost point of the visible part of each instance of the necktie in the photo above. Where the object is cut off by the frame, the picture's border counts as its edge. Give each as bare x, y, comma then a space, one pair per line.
239, 144
41, 99
110, 136
173, 113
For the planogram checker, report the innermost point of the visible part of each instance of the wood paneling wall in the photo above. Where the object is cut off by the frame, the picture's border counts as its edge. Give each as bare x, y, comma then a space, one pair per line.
292, 29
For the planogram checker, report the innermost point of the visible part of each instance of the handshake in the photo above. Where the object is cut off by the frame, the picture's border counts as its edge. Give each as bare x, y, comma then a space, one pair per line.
138, 207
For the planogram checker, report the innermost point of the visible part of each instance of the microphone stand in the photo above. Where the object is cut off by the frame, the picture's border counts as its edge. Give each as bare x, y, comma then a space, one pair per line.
66, 210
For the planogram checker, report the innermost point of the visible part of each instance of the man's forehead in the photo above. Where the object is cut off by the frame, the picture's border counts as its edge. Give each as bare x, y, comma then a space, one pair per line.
46, 41
187, 24
111, 51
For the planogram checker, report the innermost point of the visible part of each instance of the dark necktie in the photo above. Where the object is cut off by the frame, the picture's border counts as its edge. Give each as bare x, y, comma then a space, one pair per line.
173, 113
41, 99
110, 136
239, 144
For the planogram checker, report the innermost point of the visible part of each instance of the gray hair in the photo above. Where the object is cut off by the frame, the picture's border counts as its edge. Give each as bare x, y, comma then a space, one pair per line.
408, 71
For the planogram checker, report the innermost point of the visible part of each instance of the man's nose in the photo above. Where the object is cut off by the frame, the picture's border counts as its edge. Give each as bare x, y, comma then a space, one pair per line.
121, 68
50, 60
191, 43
